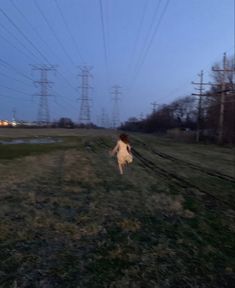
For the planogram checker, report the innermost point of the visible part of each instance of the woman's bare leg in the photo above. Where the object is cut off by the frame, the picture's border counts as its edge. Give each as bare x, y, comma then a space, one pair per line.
120, 168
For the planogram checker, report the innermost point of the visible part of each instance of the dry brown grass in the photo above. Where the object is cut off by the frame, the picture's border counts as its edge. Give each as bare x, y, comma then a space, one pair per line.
51, 132
25, 170
69, 220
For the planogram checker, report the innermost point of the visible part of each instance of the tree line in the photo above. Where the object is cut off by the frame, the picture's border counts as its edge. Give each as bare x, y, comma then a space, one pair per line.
206, 114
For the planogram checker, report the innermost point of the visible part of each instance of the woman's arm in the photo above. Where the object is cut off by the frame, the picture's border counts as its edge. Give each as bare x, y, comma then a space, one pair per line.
115, 149
128, 148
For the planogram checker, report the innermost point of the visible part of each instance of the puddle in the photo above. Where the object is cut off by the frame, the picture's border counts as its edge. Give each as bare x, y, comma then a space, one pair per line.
31, 141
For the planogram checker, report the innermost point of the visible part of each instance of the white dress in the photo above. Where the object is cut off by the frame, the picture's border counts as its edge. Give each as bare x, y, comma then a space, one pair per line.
123, 152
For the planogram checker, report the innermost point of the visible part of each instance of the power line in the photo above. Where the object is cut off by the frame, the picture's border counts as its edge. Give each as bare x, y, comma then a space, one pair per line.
9, 96
16, 90
58, 40
23, 34
141, 63
85, 113
180, 88
156, 30
72, 98
116, 116
67, 81
177, 89
22, 92
16, 70
62, 107
68, 29
103, 37
18, 41
147, 36
138, 33
14, 79
13, 45
53, 32
224, 71
43, 111
19, 91
104, 119
29, 41
199, 112
154, 104
30, 25
67, 101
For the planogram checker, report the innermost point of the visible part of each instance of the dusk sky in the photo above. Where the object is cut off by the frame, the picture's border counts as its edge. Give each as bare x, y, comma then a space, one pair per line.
152, 49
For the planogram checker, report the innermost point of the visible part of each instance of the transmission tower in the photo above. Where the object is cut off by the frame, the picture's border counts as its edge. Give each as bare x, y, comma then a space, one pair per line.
85, 110
103, 119
14, 117
141, 116
115, 118
154, 104
14, 114
43, 110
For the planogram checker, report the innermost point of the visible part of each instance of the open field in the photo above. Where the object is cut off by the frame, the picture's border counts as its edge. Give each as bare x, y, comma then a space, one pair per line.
68, 219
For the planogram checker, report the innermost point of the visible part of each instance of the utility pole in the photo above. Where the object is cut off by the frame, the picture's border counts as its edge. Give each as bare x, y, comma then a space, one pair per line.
43, 110
199, 112
224, 71
116, 118
85, 110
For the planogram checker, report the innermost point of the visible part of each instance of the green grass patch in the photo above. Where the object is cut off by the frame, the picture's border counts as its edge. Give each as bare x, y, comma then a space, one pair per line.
12, 151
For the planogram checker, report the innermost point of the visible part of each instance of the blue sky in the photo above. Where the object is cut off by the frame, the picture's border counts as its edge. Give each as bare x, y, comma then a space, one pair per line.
153, 49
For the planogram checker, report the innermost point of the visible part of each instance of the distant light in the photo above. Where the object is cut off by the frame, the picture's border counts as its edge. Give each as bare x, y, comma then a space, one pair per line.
4, 123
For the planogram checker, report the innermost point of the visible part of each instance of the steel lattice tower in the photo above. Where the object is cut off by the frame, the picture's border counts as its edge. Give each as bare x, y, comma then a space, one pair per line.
154, 104
104, 119
116, 116
43, 110
85, 110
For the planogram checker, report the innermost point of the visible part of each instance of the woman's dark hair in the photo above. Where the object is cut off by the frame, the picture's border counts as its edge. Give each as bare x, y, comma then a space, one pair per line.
124, 138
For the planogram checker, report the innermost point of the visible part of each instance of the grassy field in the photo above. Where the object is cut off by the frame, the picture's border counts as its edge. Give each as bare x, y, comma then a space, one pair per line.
68, 219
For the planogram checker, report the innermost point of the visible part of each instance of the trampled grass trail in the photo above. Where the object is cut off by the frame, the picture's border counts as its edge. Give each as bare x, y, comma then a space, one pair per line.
68, 219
